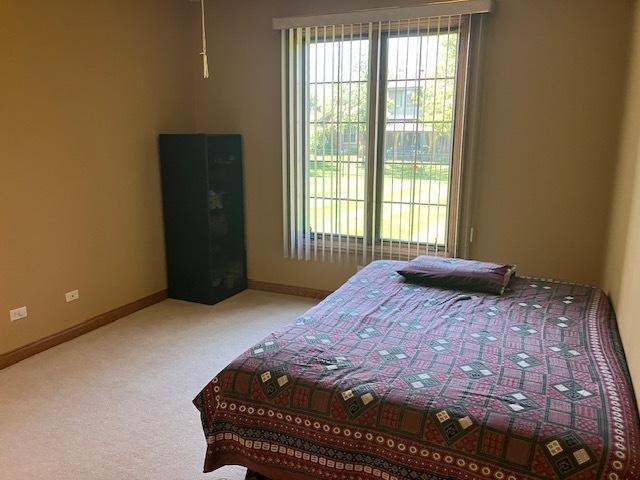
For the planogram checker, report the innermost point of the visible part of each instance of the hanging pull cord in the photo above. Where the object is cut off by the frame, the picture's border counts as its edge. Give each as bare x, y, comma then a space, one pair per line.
205, 60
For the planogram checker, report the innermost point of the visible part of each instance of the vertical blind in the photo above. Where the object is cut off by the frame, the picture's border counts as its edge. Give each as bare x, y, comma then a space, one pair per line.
326, 91
369, 118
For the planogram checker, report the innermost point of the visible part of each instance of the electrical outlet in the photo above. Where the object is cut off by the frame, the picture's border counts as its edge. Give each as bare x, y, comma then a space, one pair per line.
17, 313
72, 296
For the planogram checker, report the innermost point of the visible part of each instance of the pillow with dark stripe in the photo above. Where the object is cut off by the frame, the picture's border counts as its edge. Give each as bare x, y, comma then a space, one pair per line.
458, 274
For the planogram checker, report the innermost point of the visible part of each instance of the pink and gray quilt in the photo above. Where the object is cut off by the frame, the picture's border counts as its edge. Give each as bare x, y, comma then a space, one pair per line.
390, 380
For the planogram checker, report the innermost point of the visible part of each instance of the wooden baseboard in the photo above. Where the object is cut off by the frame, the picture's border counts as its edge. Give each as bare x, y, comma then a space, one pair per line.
70, 333
288, 289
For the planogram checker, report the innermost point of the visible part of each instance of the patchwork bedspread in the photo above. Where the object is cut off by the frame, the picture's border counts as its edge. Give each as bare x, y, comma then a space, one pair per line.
390, 380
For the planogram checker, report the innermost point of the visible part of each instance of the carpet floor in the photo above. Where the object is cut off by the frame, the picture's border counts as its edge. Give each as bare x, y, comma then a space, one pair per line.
116, 403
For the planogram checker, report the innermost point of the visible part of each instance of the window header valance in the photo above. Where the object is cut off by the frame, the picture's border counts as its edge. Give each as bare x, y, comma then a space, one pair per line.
437, 9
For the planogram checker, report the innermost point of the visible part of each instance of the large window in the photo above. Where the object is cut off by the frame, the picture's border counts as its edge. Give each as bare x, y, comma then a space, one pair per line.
377, 118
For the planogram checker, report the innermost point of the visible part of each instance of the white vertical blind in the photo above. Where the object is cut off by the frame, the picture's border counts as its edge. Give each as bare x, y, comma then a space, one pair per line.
369, 119
372, 170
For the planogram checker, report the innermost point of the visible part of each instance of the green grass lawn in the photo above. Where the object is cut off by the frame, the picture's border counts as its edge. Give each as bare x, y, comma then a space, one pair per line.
420, 194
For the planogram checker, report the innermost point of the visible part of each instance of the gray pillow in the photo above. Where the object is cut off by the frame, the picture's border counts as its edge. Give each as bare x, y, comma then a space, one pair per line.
458, 274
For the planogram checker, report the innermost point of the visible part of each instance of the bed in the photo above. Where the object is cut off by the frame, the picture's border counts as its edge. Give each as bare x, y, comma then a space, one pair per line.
386, 379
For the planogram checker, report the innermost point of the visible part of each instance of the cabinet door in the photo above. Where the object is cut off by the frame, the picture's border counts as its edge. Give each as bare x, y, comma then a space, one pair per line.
226, 214
185, 200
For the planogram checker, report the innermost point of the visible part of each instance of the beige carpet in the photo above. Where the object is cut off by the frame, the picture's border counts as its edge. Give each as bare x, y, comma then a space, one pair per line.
116, 403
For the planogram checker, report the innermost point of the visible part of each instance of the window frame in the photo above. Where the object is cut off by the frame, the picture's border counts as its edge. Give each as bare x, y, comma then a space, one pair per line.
378, 38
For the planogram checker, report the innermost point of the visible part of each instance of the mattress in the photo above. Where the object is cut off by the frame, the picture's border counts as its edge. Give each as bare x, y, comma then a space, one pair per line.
386, 379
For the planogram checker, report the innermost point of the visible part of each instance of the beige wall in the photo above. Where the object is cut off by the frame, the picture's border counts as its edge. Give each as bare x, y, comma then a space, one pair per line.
622, 273
553, 71
554, 76
85, 86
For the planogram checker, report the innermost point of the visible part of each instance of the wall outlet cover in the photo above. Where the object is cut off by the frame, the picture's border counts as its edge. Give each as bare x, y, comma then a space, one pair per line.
72, 296
17, 313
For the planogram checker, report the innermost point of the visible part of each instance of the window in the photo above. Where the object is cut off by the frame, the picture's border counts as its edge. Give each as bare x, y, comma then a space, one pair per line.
372, 121
338, 87
420, 88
